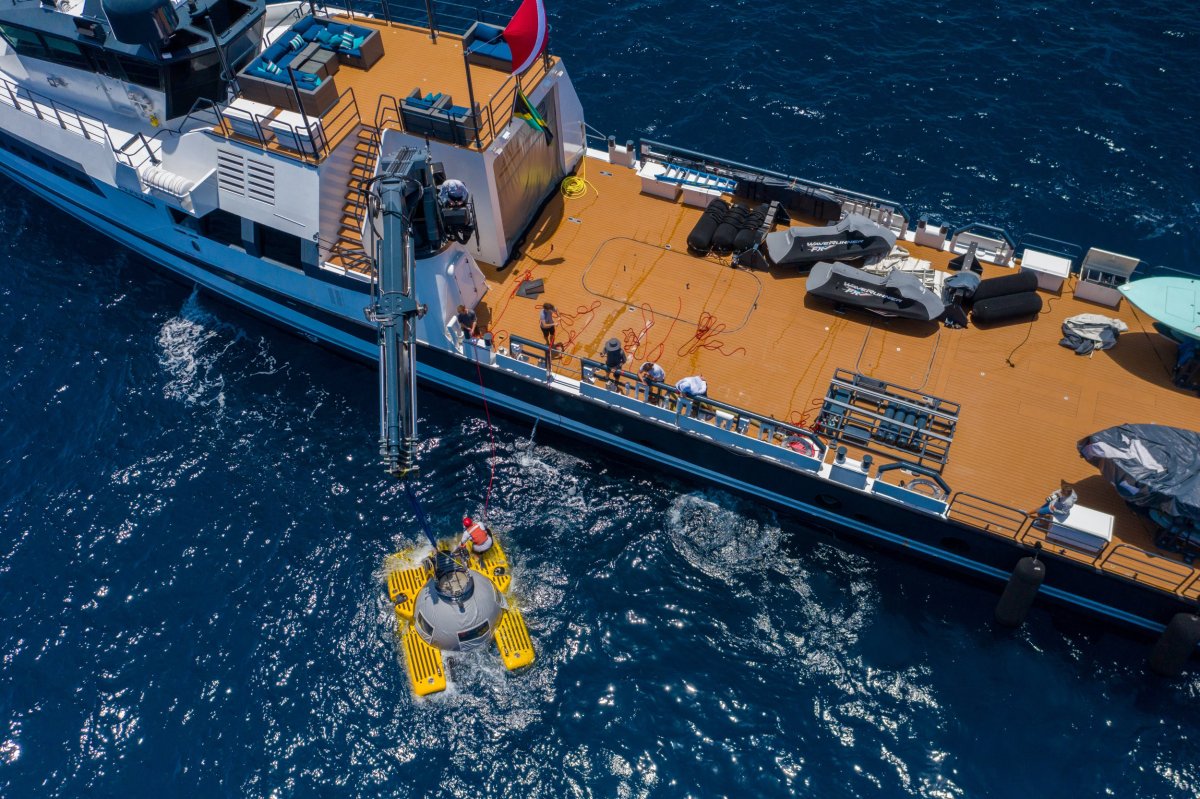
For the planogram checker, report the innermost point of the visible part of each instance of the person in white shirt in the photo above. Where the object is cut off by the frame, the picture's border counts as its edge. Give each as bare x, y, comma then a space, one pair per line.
453, 194
693, 386
1059, 503
652, 374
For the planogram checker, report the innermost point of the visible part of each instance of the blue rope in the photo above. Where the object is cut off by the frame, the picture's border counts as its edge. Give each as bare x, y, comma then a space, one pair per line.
416, 506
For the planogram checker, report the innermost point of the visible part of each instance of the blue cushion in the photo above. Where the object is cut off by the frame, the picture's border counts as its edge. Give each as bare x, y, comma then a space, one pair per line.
296, 42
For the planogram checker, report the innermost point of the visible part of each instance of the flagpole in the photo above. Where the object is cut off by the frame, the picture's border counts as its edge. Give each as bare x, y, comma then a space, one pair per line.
471, 98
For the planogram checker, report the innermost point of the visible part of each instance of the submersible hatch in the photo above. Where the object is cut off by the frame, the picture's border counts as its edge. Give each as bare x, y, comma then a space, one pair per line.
454, 600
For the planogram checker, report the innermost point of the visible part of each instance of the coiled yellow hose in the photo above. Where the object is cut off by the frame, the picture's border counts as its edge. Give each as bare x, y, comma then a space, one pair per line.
576, 186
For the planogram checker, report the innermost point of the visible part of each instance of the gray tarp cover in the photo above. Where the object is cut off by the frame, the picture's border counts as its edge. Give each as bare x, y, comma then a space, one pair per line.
781, 243
897, 294
1088, 331
1152, 466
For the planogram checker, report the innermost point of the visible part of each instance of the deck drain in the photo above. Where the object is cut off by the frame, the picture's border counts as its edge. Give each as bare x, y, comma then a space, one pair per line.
574, 219
602, 172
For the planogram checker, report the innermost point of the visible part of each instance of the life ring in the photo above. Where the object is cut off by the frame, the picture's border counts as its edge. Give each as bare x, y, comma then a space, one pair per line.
923, 485
802, 445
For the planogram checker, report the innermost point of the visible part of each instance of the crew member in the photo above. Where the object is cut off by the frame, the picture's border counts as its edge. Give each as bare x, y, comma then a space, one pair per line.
476, 535
652, 374
453, 194
467, 321
693, 386
1060, 502
614, 359
546, 320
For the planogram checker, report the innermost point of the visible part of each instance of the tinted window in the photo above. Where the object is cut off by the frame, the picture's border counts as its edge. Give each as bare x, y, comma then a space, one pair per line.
191, 80
140, 72
280, 246
65, 51
473, 633
222, 226
23, 41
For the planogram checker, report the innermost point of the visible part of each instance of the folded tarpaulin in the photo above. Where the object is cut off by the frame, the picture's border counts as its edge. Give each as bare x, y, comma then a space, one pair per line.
1088, 331
1152, 466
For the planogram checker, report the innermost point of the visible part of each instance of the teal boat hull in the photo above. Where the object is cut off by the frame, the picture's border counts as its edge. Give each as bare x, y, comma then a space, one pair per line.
1174, 301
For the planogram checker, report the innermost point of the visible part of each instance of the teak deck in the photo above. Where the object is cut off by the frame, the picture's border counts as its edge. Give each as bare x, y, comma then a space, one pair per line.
615, 263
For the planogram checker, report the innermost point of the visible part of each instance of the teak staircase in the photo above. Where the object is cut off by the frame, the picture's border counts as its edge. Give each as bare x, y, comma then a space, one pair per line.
349, 251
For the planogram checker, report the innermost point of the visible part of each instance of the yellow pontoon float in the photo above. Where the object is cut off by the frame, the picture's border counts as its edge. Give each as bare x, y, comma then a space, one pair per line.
453, 601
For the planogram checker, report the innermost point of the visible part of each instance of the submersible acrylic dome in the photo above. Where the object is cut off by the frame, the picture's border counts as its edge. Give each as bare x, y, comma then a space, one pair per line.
458, 608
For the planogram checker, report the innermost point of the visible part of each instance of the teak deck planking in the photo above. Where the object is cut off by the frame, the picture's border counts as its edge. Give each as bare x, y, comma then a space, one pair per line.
615, 264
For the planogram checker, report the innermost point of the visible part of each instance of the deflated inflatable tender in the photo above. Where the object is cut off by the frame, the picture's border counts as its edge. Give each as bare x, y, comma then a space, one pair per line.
850, 239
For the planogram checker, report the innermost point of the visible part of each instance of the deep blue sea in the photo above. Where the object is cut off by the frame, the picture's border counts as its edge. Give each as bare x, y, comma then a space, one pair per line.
193, 520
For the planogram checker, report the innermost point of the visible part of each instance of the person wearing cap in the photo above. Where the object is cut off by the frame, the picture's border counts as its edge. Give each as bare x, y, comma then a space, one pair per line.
453, 194
614, 359
476, 535
652, 374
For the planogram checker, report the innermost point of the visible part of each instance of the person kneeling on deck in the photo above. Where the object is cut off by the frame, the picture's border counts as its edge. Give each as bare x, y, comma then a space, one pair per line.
695, 388
652, 374
1059, 503
477, 535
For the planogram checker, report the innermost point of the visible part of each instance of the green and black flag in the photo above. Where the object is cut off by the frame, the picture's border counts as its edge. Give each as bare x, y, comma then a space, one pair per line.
525, 110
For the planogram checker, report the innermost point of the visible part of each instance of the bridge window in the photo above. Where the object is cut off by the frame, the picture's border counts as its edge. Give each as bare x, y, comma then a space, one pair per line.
23, 41
142, 73
65, 51
197, 78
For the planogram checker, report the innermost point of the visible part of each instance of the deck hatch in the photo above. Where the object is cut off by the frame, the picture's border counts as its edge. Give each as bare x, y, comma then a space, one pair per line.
877, 415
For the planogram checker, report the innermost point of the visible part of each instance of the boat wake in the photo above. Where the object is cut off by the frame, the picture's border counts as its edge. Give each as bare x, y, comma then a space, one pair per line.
718, 537
191, 345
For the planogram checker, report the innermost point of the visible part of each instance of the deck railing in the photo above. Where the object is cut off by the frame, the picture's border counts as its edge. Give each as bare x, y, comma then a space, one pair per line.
330, 128
135, 152
886, 212
720, 414
1121, 560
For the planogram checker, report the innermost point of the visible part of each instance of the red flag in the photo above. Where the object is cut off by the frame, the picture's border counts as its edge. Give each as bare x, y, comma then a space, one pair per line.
526, 34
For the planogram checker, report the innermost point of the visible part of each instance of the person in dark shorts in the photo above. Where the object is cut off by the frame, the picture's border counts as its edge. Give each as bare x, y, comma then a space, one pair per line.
614, 359
467, 321
547, 319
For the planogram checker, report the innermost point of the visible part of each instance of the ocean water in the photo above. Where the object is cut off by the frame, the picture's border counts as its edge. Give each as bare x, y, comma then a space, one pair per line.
192, 519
